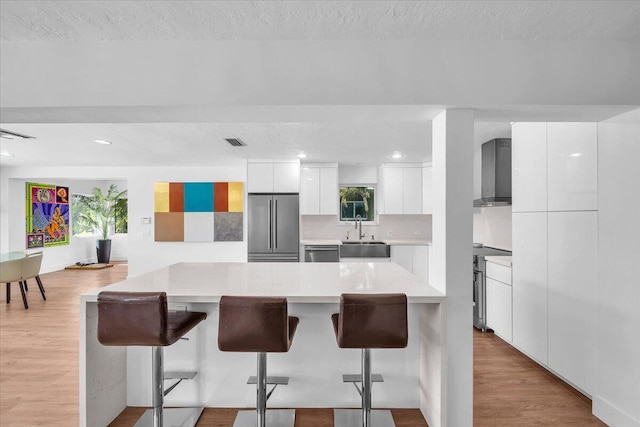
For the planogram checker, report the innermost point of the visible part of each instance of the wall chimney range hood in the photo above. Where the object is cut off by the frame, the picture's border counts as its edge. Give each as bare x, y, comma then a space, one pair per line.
496, 173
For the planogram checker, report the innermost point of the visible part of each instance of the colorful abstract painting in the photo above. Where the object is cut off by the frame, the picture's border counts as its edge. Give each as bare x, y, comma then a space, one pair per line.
47, 215
199, 211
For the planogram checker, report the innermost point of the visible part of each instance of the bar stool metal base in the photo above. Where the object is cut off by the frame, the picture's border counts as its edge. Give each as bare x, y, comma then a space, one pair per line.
353, 418
172, 417
275, 418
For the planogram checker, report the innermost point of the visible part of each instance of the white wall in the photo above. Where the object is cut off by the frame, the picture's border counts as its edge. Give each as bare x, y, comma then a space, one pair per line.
617, 397
146, 254
358, 175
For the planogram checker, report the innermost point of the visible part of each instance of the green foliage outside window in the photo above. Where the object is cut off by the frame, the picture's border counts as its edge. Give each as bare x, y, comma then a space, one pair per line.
357, 201
95, 213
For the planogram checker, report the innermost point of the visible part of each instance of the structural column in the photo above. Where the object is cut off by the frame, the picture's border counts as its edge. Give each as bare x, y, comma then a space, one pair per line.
452, 255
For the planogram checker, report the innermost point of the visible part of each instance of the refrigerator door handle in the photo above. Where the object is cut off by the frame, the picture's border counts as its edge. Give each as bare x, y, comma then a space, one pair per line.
275, 222
269, 228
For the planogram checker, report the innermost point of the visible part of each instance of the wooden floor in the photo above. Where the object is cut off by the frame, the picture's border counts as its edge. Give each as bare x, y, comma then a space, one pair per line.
39, 370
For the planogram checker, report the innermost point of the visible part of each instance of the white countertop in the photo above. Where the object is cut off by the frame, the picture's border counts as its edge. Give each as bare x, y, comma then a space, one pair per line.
299, 282
502, 260
403, 242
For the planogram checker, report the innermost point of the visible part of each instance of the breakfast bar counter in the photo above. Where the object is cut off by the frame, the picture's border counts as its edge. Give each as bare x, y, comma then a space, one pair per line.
112, 378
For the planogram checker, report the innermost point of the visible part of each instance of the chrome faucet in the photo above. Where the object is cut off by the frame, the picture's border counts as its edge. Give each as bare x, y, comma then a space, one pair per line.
360, 233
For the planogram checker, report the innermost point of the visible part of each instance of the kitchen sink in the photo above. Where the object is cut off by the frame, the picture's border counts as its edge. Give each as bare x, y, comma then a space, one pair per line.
364, 249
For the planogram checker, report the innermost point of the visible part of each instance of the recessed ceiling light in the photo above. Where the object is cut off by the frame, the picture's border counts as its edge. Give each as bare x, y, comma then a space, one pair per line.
575, 154
102, 141
397, 155
302, 156
4, 153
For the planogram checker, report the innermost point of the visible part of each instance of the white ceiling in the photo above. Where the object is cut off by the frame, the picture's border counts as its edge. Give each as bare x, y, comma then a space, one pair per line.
318, 20
179, 135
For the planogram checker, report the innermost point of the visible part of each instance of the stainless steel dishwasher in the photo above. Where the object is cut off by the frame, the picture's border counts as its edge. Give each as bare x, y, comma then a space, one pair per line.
321, 253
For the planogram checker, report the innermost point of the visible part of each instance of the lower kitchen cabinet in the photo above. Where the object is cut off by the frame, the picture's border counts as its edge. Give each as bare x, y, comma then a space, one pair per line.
414, 259
499, 308
573, 291
530, 284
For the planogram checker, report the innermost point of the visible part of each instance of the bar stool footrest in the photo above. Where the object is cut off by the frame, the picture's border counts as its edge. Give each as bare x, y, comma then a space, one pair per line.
175, 417
353, 418
357, 378
274, 418
270, 380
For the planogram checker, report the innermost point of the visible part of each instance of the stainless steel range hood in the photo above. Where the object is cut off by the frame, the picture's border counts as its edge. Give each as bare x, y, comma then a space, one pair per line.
496, 173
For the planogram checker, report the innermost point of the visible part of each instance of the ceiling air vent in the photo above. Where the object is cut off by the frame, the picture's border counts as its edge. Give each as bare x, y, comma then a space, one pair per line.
235, 142
6, 134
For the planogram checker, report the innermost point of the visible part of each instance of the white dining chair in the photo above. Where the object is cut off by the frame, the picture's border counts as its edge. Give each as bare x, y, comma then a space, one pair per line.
11, 271
31, 269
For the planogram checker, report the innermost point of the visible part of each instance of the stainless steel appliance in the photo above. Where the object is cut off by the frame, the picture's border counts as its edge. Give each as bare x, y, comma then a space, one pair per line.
273, 228
480, 283
321, 253
496, 173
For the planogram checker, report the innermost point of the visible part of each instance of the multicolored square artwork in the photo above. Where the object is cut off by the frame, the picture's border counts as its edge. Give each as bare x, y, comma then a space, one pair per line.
47, 215
199, 211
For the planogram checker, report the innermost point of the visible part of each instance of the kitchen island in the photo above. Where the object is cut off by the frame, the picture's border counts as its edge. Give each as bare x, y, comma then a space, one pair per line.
112, 378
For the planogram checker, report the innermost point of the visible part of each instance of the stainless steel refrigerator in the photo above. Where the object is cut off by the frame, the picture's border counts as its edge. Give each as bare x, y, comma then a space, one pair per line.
273, 228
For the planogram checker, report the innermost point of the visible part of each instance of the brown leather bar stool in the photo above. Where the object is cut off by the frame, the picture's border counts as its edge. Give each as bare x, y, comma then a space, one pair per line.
261, 325
143, 319
369, 321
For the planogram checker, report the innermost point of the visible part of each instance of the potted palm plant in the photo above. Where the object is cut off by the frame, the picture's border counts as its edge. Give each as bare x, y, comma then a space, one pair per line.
98, 211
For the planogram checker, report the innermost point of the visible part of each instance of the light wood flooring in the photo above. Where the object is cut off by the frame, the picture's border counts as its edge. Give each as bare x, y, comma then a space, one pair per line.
39, 370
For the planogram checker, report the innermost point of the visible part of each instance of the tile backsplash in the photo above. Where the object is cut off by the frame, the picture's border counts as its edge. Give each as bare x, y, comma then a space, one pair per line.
492, 226
388, 227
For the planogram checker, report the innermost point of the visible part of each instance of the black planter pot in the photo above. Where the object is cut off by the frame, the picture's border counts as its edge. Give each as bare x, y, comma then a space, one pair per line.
103, 248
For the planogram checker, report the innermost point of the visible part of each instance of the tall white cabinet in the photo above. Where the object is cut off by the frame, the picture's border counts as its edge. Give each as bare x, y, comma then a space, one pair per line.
555, 246
530, 283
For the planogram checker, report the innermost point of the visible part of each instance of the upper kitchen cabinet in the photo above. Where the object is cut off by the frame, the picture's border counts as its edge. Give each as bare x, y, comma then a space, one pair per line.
319, 189
529, 167
273, 176
572, 150
401, 189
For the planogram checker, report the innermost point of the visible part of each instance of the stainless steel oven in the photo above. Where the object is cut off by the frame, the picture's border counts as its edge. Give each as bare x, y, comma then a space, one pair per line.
479, 282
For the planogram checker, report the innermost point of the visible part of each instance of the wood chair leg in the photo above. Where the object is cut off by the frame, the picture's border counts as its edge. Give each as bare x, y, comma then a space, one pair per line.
26, 287
8, 293
24, 296
39, 282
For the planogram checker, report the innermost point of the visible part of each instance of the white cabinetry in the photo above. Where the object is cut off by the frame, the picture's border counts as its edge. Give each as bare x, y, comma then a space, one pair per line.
319, 190
427, 190
412, 190
555, 246
414, 259
572, 150
421, 262
499, 308
401, 190
403, 256
530, 284
529, 167
273, 177
573, 291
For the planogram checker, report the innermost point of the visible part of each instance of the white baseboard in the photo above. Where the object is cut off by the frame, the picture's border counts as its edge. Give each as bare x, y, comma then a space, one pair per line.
612, 415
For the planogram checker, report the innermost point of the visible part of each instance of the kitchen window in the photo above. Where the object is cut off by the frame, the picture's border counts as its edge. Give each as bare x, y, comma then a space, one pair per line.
356, 201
